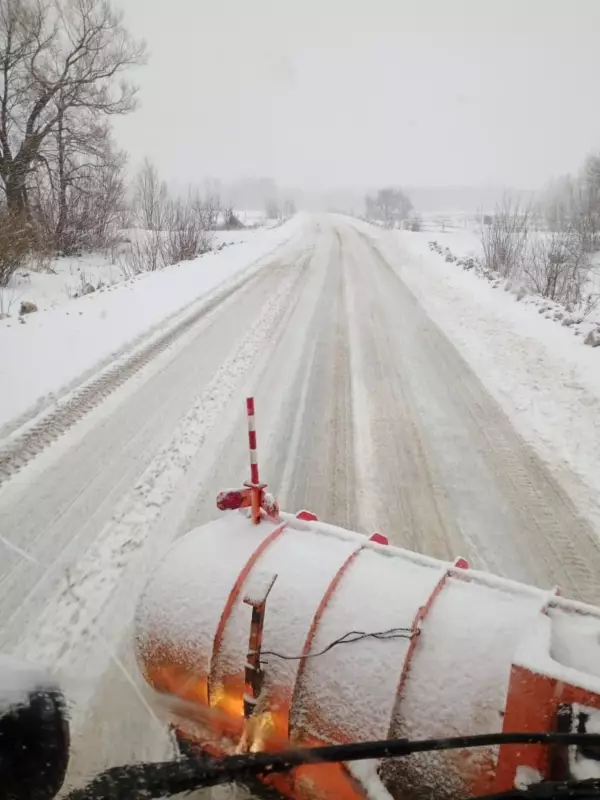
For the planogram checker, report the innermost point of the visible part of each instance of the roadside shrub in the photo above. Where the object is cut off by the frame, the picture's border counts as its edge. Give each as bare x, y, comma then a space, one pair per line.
15, 243
143, 254
504, 241
415, 224
186, 236
231, 221
188, 226
557, 267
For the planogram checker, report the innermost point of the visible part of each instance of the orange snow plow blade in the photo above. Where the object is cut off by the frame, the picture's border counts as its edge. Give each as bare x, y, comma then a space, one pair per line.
448, 651
292, 632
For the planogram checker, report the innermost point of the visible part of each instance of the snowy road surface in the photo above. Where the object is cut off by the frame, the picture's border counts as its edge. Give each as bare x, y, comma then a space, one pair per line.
366, 414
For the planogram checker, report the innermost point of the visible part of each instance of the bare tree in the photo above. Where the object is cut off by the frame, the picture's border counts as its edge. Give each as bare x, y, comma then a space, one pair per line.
150, 198
273, 209
504, 241
175, 229
231, 222
208, 209
415, 223
14, 244
589, 198
584, 210
186, 237
370, 208
557, 266
574, 203
56, 56
109, 198
389, 206
289, 208
556, 201
77, 196
145, 253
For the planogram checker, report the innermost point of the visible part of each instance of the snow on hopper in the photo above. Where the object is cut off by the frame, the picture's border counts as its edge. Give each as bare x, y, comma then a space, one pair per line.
266, 630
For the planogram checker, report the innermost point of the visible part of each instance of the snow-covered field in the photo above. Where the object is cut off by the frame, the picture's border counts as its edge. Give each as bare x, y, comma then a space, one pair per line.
44, 354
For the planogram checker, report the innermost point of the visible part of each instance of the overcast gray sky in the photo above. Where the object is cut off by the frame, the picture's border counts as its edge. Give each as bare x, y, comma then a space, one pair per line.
362, 92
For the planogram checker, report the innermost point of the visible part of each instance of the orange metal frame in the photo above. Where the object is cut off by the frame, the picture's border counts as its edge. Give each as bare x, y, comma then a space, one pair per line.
312, 632
421, 614
231, 601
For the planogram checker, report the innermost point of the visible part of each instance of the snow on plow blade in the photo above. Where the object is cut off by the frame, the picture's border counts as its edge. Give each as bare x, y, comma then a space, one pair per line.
450, 652
287, 631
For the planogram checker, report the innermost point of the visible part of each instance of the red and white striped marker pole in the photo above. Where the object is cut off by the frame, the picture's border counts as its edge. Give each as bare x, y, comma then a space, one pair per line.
252, 441
253, 494
256, 488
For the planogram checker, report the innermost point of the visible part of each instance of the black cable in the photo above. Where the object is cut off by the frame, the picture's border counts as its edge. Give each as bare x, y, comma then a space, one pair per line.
552, 790
391, 633
147, 781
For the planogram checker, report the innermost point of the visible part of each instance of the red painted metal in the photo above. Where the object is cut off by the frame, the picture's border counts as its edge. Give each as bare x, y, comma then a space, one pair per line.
307, 516
421, 614
256, 488
254, 478
379, 538
233, 499
253, 673
313, 628
233, 596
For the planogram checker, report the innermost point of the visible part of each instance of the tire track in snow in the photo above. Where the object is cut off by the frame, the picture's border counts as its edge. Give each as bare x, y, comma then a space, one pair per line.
492, 490
105, 737
319, 456
65, 629
396, 465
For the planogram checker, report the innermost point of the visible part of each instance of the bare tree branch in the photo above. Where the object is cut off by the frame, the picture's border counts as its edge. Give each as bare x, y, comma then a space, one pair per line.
57, 57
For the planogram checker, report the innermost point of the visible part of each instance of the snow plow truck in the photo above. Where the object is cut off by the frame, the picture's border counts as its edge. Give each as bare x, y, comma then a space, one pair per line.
309, 662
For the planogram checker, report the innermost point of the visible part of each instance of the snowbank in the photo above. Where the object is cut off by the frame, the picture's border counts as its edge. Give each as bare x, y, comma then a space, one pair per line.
64, 281
453, 246
66, 278
49, 351
543, 377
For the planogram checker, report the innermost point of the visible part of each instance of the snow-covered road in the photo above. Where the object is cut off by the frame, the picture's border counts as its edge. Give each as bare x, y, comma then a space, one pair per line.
367, 415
